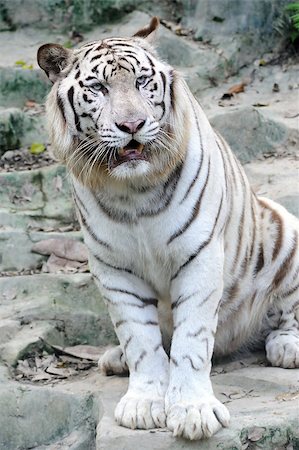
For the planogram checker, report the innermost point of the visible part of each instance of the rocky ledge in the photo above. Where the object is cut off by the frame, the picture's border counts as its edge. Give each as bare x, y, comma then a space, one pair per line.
53, 323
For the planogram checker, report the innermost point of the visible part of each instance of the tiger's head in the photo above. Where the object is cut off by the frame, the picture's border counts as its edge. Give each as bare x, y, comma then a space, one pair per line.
115, 110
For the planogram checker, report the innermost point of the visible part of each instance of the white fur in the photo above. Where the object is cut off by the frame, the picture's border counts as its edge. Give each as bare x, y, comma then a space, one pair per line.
220, 296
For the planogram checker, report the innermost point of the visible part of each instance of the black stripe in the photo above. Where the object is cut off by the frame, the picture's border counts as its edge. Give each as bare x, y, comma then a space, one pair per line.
195, 212
202, 245
140, 358
260, 260
182, 299
174, 361
127, 343
94, 58
70, 95
109, 301
116, 216
168, 192
145, 300
290, 291
121, 269
60, 106
240, 233
192, 363
79, 202
229, 154
285, 265
164, 82
84, 223
194, 179
148, 322
88, 51
197, 333
120, 44
253, 224
225, 170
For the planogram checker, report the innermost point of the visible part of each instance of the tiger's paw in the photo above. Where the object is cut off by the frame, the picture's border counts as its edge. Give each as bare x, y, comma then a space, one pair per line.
135, 411
282, 349
113, 362
197, 420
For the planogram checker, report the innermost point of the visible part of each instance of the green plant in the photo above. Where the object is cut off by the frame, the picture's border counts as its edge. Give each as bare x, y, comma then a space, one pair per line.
293, 10
287, 25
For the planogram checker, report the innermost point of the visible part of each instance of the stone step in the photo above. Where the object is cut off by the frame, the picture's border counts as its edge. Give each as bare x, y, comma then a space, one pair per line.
62, 309
18, 129
252, 132
63, 16
11, 241
277, 179
19, 85
32, 196
263, 404
197, 60
40, 415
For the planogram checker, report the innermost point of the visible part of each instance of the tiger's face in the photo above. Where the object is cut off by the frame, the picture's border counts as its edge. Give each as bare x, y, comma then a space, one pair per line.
113, 101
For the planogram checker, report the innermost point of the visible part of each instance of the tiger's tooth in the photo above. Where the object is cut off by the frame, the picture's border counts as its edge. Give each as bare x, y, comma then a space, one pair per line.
121, 151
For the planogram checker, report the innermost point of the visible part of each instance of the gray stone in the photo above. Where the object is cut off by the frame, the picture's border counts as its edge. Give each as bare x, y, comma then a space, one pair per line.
77, 440
291, 202
256, 396
61, 309
8, 329
27, 339
276, 179
227, 17
37, 193
35, 416
62, 15
243, 30
19, 129
249, 132
18, 85
28, 220
11, 259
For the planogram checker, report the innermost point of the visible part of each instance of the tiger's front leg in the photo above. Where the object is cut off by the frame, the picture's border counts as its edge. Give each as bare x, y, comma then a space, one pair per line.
192, 409
133, 310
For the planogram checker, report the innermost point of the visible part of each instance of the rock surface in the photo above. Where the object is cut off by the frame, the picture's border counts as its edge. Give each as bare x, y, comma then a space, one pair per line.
50, 388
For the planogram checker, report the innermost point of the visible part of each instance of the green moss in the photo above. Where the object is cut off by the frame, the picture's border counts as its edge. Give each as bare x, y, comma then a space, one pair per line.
18, 85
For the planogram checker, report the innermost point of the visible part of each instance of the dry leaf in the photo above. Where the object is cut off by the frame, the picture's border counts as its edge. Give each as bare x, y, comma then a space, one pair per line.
58, 183
291, 115
60, 372
235, 89
275, 87
30, 104
88, 352
256, 433
287, 396
260, 104
62, 247
56, 264
10, 294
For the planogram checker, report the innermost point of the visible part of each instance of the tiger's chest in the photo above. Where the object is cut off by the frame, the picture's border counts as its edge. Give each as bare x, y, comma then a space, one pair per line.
134, 235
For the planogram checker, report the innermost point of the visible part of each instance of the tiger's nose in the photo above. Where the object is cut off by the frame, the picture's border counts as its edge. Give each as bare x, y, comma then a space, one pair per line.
131, 127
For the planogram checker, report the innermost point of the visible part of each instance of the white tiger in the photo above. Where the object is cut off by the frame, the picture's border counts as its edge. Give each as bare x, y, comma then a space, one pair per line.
188, 259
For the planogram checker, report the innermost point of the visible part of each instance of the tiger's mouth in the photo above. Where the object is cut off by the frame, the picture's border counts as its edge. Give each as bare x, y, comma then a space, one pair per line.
133, 151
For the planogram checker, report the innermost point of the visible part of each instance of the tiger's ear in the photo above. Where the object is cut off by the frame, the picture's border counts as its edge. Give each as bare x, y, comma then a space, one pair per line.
53, 58
149, 29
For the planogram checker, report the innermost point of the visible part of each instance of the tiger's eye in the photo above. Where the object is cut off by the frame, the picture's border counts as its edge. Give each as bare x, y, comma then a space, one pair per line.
98, 87
141, 81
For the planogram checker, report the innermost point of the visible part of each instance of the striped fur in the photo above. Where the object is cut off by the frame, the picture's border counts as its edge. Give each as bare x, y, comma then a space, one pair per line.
189, 261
